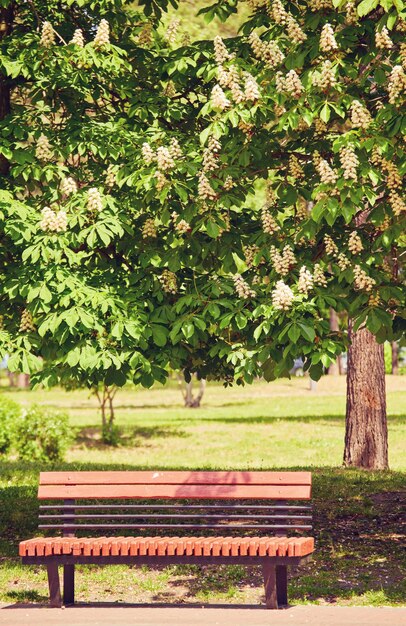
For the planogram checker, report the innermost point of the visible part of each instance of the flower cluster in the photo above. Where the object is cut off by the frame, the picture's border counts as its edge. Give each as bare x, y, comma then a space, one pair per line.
68, 186
269, 225
228, 183
282, 296
204, 189
402, 50
295, 33
242, 289
102, 37
319, 5
219, 99
278, 12
149, 229
52, 221
319, 276
175, 149
343, 262
325, 78
164, 158
210, 155
26, 322
320, 127
111, 176
181, 226
305, 282
295, 169
326, 173
354, 243
397, 203
349, 162
267, 51
327, 40
282, 262
145, 35
231, 79
331, 247
47, 38
351, 15
221, 54
374, 299
394, 180
43, 150
94, 200
250, 253
251, 89
362, 281
290, 84
172, 31
78, 38
382, 39
168, 281
147, 153
396, 84
360, 116
161, 180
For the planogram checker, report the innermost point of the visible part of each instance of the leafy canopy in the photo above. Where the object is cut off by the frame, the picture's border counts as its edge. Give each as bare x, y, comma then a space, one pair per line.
199, 205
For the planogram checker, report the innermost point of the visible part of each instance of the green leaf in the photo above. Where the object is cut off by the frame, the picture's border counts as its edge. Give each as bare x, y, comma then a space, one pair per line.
366, 6
307, 331
159, 334
294, 332
325, 113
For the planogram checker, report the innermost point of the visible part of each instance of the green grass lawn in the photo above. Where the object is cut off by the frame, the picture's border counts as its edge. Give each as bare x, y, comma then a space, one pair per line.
280, 425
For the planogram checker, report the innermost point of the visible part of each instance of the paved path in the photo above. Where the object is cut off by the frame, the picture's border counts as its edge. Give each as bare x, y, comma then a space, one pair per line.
102, 615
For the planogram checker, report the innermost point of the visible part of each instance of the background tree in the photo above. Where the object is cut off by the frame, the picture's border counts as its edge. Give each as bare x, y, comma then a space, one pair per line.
132, 240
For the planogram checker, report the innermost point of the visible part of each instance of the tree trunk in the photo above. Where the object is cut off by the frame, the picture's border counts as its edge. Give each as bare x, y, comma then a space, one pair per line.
366, 432
335, 368
6, 22
395, 358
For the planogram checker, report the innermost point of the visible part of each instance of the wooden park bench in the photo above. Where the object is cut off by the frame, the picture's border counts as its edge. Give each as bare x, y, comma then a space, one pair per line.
194, 517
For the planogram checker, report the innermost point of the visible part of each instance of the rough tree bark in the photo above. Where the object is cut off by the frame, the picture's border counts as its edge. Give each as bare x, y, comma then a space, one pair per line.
366, 433
6, 23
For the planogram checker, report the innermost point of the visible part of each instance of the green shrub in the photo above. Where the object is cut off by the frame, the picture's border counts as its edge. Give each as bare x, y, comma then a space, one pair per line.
10, 412
42, 435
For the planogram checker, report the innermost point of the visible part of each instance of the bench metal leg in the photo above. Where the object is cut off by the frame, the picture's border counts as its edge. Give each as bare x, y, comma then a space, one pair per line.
53, 584
68, 584
282, 584
271, 598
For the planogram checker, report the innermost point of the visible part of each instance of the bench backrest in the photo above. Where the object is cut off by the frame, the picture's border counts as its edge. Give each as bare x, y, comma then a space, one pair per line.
175, 500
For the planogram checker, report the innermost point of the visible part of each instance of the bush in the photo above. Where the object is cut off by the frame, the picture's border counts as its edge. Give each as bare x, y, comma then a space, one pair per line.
10, 412
42, 435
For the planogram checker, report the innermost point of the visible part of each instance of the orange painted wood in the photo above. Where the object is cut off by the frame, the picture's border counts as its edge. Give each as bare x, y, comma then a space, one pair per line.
274, 492
175, 478
169, 546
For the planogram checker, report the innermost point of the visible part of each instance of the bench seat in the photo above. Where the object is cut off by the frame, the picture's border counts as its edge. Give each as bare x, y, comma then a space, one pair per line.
168, 546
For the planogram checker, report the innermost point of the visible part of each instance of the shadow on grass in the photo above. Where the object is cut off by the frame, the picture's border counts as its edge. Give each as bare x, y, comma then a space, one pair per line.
90, 436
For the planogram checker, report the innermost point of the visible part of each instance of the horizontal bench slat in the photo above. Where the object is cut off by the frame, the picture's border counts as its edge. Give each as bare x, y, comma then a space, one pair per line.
247, 507
229, 491
180, 526
175, 478
67, 516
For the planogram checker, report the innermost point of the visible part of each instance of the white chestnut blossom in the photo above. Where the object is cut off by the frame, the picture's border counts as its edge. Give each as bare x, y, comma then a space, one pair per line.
94, 200
282, 296
47, 38
102, 37
78, 38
